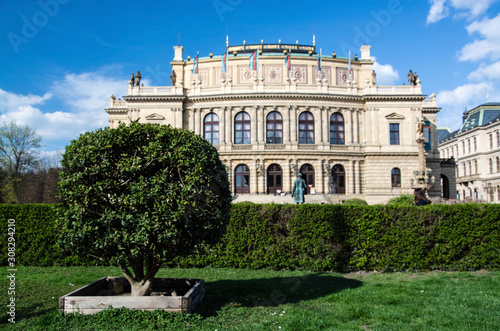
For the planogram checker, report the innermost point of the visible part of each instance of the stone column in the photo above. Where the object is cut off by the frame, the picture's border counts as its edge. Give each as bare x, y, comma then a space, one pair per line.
222, 125
192, 113
318, 127
360, 178
354, 181
293, 129
356, 126
368, 126
180, 118
287, 124
261, 125
253, 126
326, 126
348, 126
197, 119
375, 124
229, 125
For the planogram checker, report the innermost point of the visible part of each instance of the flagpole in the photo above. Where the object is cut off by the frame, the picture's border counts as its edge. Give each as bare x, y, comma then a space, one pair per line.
320, 66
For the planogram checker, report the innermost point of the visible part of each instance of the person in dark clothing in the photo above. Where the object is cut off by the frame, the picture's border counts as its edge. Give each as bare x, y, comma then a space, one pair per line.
420, 198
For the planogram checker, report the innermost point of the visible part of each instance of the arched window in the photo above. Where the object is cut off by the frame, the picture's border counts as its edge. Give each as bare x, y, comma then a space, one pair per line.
242, 128
308, 175
242, 179
498, 164
211, 128
396, 177
475, 167
337, 129
274, 125
491, 166
306, 128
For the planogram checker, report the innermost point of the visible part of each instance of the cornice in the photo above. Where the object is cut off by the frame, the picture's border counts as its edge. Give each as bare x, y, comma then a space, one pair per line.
117, 111
153, 98
394, 97
275, 96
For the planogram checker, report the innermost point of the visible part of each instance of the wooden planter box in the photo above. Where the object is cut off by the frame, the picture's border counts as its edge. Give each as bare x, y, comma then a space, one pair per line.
97, 296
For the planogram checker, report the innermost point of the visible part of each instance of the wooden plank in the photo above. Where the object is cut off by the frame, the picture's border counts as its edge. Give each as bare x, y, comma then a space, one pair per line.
90, 304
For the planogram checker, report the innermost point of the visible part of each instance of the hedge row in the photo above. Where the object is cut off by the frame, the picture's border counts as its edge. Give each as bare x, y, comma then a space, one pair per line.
310, 237
35, 237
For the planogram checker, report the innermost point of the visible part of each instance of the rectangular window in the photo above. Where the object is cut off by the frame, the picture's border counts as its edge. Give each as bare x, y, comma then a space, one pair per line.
394, 133
427, 135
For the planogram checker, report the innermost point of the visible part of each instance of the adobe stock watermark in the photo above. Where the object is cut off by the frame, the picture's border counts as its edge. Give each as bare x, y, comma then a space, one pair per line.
11, 272
31, 26
223, 6
157, 75
372, 28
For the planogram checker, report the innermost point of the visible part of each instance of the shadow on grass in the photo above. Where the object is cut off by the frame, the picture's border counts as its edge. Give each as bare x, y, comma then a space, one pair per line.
270, 292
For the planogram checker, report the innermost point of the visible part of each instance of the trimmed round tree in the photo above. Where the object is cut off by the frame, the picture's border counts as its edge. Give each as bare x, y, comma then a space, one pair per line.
141, 195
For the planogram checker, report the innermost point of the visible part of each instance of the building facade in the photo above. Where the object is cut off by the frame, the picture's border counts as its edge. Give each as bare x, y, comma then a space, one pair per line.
475, 147
274, 110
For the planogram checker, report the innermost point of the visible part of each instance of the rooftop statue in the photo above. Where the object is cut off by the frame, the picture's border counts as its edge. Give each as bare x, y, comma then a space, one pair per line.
138, 78
131, 81
173, 78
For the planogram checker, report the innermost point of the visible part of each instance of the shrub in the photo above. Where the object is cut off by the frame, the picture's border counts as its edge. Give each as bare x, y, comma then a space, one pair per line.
355, 202
402, 200
141, 195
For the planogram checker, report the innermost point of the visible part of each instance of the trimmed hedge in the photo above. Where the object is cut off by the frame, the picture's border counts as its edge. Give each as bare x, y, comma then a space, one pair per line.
36, 235
310, 237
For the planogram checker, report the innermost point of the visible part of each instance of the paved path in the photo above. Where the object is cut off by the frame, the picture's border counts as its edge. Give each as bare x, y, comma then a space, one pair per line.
263, 198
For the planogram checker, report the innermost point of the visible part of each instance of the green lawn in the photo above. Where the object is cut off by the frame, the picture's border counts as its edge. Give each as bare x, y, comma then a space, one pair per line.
274, 300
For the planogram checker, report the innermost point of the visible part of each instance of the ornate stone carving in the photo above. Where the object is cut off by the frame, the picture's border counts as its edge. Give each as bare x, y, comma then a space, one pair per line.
273, 75
203, 76
342, 76
325, 73
219, 75
299, 73
246, 76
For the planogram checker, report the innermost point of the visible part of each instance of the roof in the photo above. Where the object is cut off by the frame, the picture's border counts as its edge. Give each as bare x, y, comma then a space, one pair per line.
482, 115
441, 133
449, 136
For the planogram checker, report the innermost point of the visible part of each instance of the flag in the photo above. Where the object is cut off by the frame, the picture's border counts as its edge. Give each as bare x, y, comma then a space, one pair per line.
224, 62
253, 61
287, 61
319, 61
195, 65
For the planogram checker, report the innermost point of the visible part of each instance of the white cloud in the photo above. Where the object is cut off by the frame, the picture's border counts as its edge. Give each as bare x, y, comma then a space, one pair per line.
465, 8
489, 46
472, 7
10, 101
82, 98
437, 12
386, 74
465, 95
486, 72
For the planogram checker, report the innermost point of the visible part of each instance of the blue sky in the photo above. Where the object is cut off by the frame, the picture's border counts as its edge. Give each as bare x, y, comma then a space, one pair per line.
61, 59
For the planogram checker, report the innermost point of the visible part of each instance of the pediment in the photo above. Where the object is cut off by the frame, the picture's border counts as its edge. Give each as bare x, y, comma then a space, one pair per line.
395, 116
155, 117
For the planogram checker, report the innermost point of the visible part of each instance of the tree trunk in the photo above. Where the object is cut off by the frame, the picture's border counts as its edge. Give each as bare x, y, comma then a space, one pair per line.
142, 288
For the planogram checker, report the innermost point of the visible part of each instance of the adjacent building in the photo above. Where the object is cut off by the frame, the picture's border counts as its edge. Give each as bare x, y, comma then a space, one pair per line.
274, 110
475, 148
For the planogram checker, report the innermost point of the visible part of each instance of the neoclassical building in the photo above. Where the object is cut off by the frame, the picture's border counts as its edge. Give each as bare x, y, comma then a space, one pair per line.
475, 147
274, 110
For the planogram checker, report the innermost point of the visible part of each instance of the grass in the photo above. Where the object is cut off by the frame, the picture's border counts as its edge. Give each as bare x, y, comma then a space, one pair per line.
274, 300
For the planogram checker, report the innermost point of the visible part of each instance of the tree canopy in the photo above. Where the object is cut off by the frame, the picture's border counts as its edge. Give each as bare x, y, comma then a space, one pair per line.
140, 195
19, 145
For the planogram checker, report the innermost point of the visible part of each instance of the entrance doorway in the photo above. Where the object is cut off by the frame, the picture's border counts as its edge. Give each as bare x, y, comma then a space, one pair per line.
338, 179
242, 179
307, 172
274, 179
